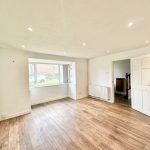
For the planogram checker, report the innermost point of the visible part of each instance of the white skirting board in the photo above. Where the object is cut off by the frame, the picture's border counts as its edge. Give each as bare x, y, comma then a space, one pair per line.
5, 117
46, 100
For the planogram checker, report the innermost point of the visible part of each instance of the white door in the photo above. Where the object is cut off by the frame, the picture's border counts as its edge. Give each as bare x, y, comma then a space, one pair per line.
135, 84
137, 99
146, 102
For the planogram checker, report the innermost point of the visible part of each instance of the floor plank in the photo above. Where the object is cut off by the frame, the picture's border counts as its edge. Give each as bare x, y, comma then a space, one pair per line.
86, 124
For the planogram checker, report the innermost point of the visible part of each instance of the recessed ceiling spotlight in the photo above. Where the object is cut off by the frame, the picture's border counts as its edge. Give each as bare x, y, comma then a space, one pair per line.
147, 41
130, 24
23, 46
30, 29
83, 44
108, 52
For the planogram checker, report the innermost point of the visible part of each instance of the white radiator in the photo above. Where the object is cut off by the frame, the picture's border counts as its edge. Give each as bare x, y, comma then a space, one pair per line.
101, 92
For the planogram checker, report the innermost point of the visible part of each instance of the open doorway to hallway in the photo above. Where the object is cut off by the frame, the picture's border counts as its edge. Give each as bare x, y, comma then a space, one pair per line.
122, 82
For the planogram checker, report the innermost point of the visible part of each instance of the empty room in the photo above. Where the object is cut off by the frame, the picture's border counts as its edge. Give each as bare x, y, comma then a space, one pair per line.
74, 75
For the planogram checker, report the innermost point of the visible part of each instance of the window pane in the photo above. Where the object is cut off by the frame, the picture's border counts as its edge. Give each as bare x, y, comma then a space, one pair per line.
47, 74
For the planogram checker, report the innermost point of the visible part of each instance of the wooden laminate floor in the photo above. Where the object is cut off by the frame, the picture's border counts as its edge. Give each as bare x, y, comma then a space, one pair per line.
121, 100
85, 124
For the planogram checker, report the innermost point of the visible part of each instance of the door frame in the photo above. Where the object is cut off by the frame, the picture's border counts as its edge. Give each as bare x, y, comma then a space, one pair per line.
112, 81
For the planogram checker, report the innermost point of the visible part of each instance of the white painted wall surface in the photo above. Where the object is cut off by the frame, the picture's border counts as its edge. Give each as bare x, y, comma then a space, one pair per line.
121, 68
99, 75
81, 80
15, 96
48, 93
72, 86
72, 90
100, 68
14, 87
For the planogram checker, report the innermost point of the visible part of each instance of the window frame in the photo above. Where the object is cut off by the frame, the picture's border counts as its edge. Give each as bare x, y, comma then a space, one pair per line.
35, 74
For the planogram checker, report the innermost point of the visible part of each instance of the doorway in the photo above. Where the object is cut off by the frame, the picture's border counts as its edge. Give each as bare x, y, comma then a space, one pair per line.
122, 82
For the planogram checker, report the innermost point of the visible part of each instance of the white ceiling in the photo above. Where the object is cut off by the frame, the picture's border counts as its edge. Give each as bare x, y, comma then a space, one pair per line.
61, 26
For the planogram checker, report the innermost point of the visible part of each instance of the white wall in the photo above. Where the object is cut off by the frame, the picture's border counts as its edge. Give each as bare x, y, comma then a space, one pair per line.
14, 87
15, 96
72, 87
100, 68
121, 67
48, 93
81, 80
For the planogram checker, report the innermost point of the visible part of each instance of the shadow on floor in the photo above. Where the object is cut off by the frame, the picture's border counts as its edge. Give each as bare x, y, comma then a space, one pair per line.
119, 99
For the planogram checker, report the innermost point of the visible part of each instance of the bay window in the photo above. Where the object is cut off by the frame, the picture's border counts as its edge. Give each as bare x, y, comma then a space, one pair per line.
47, 74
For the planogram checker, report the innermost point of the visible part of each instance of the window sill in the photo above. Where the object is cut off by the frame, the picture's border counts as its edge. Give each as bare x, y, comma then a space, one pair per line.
32, 87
